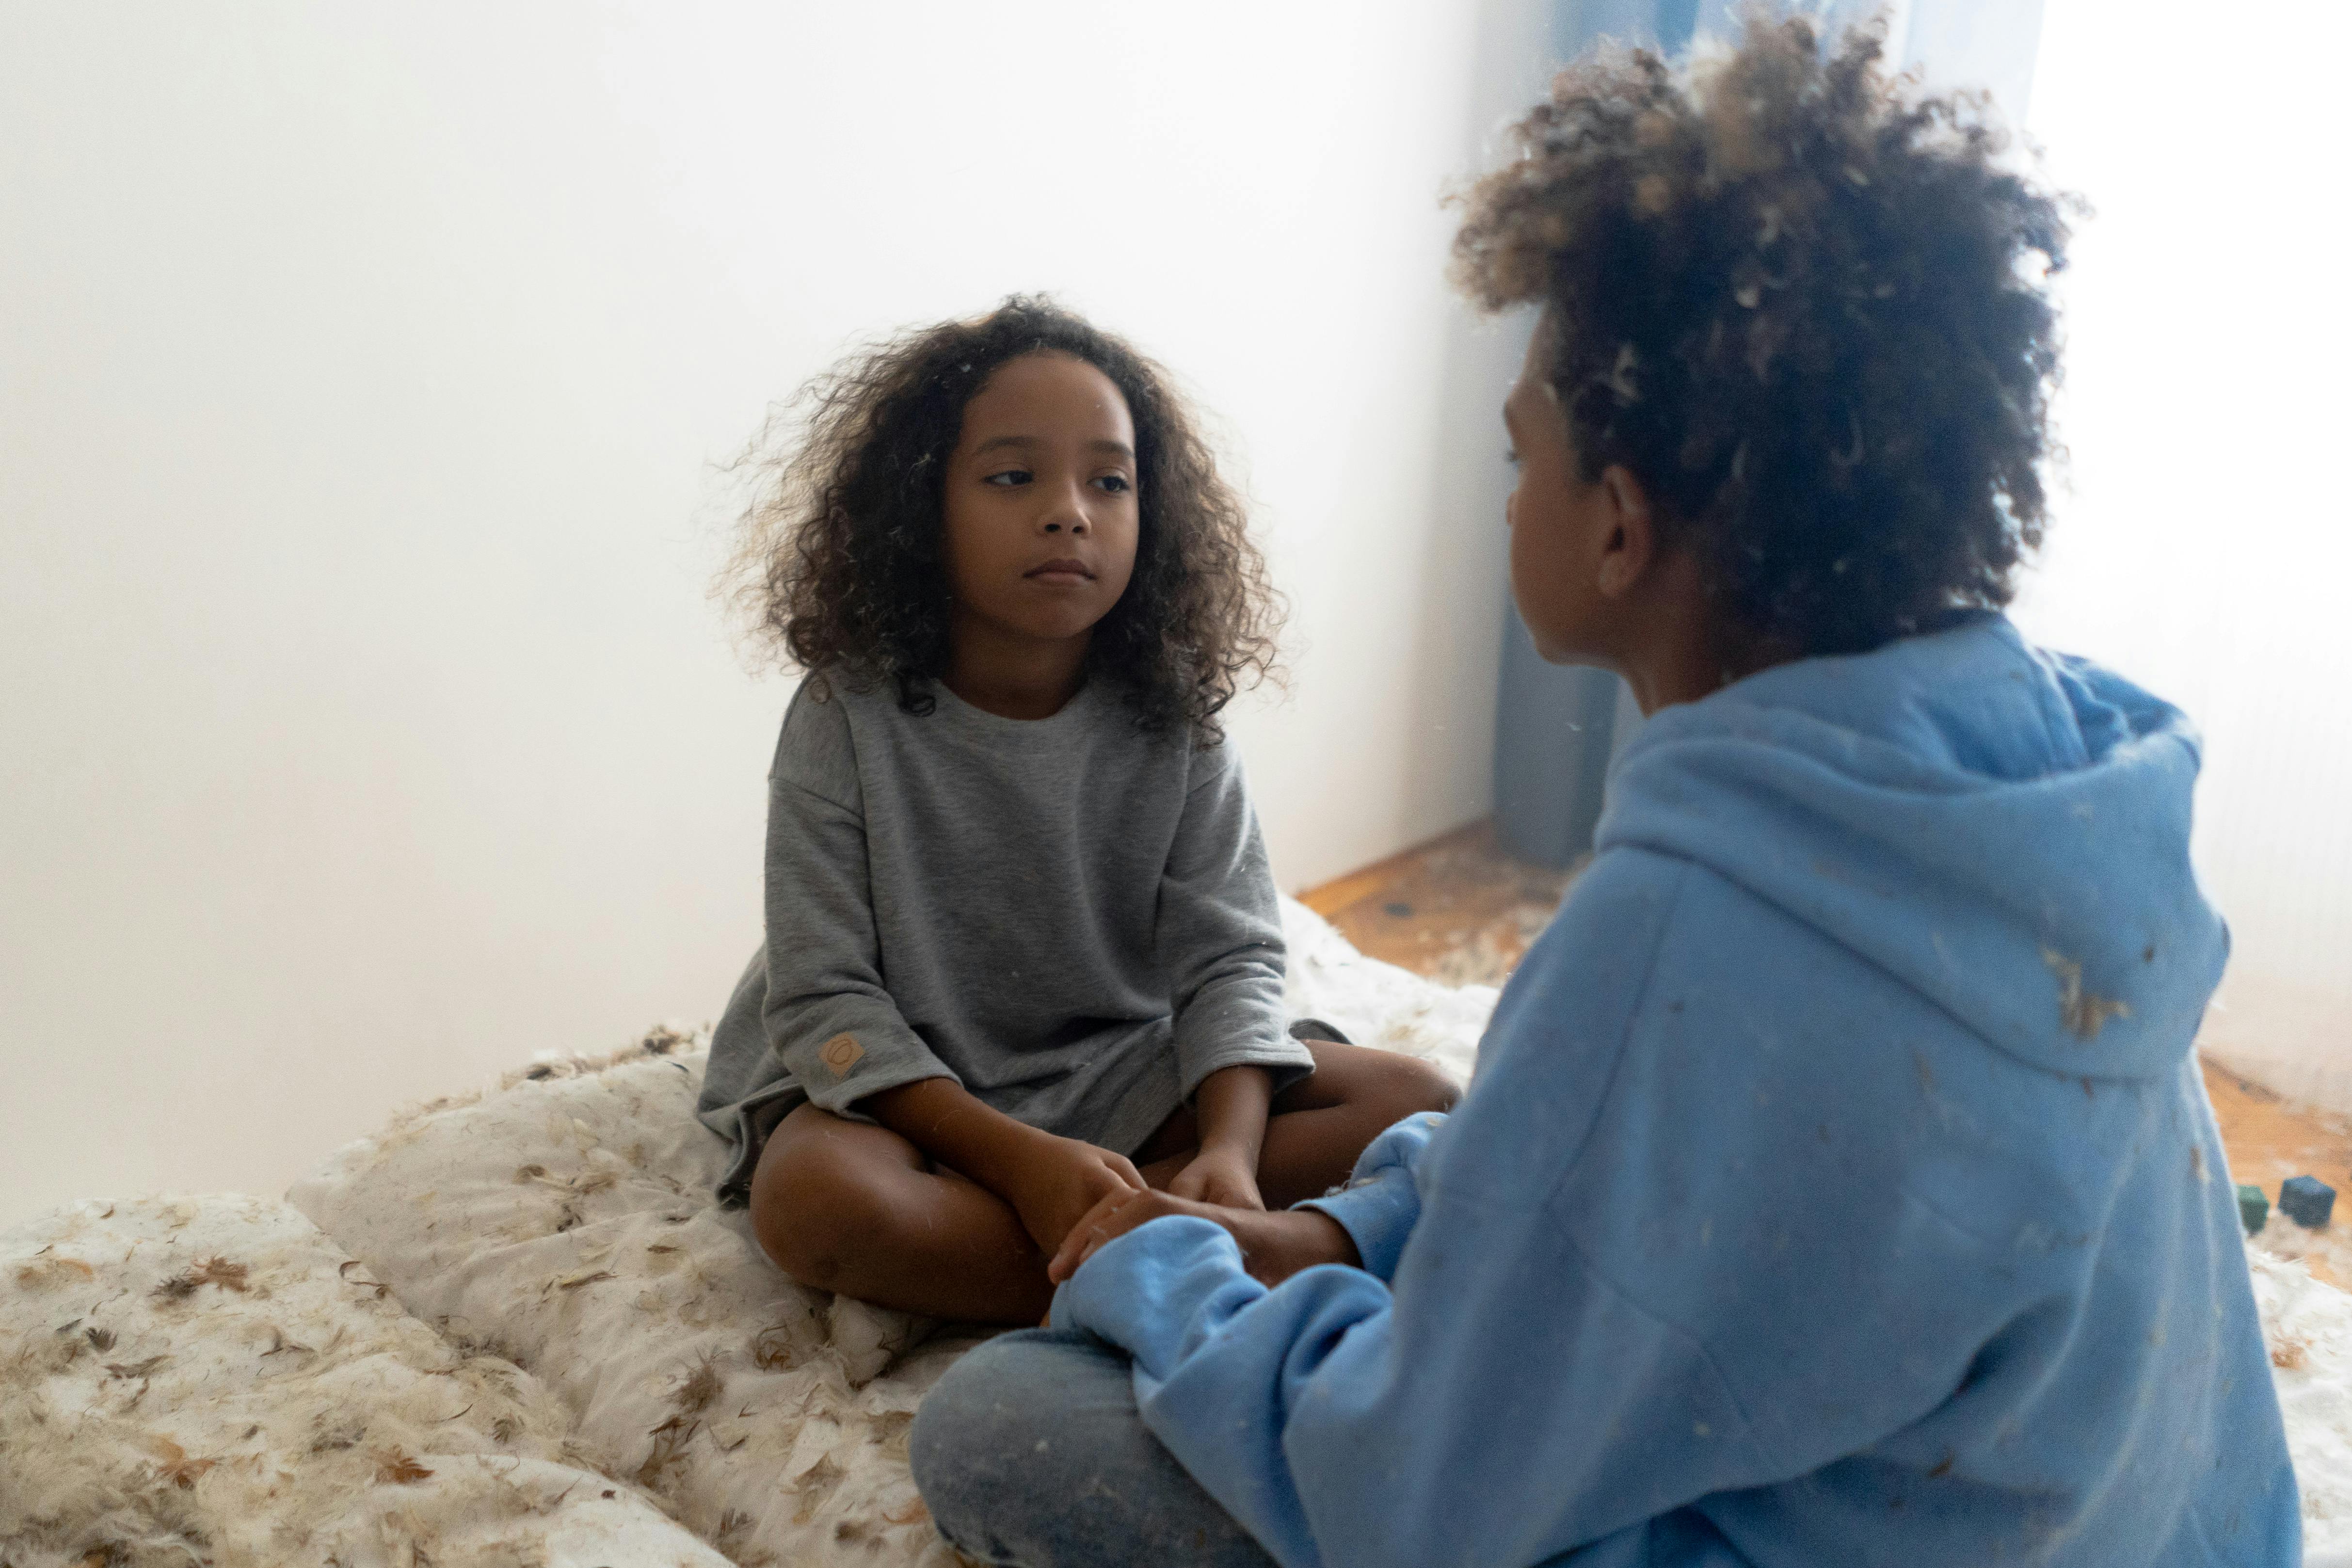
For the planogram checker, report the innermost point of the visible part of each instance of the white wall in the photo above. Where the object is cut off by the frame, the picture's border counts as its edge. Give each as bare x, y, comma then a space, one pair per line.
2205, 547
360, 367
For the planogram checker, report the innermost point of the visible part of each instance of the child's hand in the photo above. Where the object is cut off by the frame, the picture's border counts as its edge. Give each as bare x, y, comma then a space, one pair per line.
1059, 1180
1113, 1218
1223, 1176
1275, 1244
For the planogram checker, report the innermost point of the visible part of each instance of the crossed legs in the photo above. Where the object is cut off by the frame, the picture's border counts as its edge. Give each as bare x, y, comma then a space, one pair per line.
856, 1208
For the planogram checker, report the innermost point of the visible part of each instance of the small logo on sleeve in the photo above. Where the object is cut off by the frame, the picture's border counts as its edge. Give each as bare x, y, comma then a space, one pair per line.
840, 1053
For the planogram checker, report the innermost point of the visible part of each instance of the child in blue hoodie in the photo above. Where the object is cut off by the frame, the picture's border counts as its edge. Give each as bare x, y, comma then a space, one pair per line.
1837, 1186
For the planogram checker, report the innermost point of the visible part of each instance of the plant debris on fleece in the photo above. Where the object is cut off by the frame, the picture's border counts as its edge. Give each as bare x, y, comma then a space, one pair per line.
567, 1216
210, 1381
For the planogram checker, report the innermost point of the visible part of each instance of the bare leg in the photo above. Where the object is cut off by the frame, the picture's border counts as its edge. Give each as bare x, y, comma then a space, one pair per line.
843, 1205
1317, 1126
846, 1206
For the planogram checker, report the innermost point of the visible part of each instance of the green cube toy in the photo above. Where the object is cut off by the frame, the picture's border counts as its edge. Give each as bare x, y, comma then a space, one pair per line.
2253, 1208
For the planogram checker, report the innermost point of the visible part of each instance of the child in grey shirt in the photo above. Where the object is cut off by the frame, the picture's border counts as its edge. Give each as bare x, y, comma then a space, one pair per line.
1023, 946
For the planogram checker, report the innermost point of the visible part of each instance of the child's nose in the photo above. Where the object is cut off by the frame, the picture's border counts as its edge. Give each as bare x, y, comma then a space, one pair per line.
1067, 514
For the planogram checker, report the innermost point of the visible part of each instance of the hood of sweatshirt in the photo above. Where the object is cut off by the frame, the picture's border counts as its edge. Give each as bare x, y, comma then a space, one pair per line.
2003, 829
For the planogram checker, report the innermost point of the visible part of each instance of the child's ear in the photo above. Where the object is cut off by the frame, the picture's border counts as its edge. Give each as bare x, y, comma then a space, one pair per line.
1631, 542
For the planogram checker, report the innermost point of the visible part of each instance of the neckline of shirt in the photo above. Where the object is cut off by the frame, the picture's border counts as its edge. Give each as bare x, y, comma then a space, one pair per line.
968, 716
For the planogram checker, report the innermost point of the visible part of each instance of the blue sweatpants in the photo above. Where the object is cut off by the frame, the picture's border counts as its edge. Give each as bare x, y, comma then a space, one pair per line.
1030, 1453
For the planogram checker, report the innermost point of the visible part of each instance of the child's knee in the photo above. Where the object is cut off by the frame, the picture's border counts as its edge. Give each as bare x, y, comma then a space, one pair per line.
812, 1215
1407, 1087
1030, 1449
956, 1451
979, 1423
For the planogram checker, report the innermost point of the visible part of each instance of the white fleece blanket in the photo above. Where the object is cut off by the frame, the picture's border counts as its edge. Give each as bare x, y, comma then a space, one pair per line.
211, 1381
561, 1224
566, 1220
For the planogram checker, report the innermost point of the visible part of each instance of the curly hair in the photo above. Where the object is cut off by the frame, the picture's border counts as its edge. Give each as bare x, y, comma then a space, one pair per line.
838, 562
1802, 303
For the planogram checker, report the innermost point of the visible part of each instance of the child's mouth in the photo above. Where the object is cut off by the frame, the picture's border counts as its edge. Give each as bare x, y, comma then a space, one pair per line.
1060, 574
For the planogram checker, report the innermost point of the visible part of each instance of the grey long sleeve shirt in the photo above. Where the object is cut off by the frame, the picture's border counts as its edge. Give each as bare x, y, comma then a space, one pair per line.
1072, 918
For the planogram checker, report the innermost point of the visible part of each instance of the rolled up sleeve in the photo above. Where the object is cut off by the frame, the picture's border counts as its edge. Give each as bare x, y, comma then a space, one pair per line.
1220, 935
827, 1018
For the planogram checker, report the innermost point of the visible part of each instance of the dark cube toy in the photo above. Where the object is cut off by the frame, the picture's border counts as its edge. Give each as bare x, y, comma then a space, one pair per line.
2254, 1207
2306, 1200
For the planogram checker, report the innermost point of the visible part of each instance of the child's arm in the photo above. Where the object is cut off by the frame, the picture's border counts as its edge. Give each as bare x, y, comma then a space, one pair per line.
1500, 1400
1633, 1277
1219, 938
828, 1017
1230, 1108
1049, 1181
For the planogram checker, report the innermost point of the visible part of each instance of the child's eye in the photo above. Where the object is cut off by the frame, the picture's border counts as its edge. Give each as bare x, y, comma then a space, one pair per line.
1117, 484
1008, 479
1511, 456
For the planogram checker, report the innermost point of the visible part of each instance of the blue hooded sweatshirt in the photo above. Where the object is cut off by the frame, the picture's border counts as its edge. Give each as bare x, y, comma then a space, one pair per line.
1836, 1187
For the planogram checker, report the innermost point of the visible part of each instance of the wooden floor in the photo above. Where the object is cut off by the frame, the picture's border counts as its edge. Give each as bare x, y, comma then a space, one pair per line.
1457, 909
1460, 910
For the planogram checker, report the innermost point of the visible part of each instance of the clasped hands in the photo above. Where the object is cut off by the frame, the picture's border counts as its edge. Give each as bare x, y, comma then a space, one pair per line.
1082, 1198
